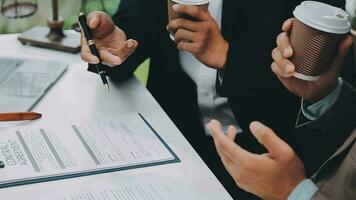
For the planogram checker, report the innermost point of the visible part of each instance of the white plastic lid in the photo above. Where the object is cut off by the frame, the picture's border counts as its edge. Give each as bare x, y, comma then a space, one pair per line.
323, 17
192, 2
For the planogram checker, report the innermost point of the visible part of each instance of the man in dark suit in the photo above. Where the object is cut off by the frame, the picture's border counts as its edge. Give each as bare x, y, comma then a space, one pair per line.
325, 131
248, 89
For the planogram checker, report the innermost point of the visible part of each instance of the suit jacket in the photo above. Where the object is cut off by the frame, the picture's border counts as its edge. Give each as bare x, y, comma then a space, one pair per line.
329, 132
254, 93
336, 178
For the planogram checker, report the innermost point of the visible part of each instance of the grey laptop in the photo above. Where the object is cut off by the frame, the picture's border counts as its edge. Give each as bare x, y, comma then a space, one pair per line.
24, 81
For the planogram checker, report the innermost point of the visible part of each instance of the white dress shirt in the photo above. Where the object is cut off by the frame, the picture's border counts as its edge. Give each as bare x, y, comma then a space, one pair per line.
211, 105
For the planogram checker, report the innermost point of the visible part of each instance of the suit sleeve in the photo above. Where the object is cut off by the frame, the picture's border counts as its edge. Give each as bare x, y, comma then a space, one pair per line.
247, 74
131, 18
248, 71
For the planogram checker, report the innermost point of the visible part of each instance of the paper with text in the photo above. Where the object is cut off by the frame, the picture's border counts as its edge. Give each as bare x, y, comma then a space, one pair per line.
32, 153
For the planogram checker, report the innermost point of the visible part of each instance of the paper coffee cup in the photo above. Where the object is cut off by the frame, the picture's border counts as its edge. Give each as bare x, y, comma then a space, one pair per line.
316, 33
202, 4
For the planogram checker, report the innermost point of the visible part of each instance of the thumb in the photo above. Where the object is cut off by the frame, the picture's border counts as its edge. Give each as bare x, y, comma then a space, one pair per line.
93, 20
342, 52
265, 136
101, 24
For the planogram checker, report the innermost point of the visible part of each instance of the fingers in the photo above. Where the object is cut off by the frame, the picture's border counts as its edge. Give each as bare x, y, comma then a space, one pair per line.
283, 44
93, 19
125, 50
228, 164
225, 146
85, 53
214, 128
112, 58
187, 46
101, 24
193, 11
181, 23
109, 58
184, 35
284, 68
231, 133
287, 25
281, 66
265, 136
93, 22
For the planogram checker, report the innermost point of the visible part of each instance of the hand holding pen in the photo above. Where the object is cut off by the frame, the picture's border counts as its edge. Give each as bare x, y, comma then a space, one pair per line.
110, 41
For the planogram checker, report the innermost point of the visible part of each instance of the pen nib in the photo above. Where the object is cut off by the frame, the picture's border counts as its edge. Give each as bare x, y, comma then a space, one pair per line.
107, 87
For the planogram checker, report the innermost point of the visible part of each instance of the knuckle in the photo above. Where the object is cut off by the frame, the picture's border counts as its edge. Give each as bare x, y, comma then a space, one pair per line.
274, 53
172, 25
101, 13
280, 38
179, 33
282, 63
275, 68
180, 45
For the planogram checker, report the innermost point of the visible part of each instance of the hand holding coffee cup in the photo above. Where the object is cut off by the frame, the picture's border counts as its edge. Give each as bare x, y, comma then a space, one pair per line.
317, 31
194, 30
202, 5
285, 69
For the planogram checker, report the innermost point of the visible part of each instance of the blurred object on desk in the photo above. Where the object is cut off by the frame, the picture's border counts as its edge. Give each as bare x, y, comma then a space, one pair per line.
16, 9
51, 37
20, 116
23, 82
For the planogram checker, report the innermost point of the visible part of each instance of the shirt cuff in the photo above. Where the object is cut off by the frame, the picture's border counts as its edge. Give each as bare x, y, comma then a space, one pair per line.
316, 110
304, 191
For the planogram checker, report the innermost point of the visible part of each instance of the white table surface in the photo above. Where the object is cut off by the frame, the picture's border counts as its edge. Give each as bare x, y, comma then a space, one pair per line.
80, 95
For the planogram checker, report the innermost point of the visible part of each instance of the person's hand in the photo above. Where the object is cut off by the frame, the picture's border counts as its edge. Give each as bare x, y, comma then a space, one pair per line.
271, 176
110, 40
312, 91
201, 37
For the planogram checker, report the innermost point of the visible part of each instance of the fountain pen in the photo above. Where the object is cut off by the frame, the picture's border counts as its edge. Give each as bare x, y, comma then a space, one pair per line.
82, 21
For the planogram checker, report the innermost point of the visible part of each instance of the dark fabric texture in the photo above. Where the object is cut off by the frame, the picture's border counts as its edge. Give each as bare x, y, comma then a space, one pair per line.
330, 141
319, 140
253, 91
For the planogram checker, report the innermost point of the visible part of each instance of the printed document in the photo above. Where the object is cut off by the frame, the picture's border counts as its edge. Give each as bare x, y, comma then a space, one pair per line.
36, 154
